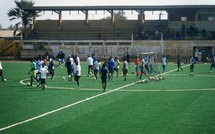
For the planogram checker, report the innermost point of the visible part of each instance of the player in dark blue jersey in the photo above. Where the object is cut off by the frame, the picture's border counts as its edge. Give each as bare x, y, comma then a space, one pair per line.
179, 63
104, 72
192, 62
111, 68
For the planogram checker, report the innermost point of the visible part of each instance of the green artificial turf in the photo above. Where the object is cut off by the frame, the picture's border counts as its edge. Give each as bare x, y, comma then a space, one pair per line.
126, 111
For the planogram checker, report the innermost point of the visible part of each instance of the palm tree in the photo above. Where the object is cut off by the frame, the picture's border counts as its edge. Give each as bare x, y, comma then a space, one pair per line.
18, 13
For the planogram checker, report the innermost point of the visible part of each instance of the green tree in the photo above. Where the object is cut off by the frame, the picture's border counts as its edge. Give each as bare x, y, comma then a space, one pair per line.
120, 15
18, 13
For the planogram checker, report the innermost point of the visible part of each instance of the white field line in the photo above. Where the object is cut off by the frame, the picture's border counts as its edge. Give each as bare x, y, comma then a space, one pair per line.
73, 104
168, 90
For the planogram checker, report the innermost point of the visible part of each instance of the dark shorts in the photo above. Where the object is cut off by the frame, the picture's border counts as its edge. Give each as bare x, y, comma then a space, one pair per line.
104, 80
51, 71
77, 78
125, 71
95, 71
69, 71
43, 81
212, 65
116, 69
0, 72
111, 70
90, 66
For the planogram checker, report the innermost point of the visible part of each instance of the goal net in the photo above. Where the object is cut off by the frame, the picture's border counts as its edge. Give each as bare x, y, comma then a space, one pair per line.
149, 65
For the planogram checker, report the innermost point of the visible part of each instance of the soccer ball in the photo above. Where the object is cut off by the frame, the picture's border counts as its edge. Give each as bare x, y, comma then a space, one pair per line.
5, 80
94, 78
69, 76
143, 81
156, 78
28, 84
160, 78
63, 78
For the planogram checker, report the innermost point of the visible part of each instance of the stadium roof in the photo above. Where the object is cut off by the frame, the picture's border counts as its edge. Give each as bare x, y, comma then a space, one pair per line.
143, 8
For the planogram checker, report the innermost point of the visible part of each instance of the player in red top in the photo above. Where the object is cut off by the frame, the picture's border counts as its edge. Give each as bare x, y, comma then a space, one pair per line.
137, 66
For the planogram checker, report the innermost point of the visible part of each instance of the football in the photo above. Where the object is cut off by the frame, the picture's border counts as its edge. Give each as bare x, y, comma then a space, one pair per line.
63, 78
5, 80
28, 84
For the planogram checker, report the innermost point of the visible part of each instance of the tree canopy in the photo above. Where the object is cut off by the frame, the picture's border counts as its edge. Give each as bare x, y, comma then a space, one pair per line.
120, 15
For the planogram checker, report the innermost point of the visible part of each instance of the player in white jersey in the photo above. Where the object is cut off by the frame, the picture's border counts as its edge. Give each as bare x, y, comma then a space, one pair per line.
97, 65
90, 65
77, 72
43, 75
1, 72
117, 66
151, 64
164, 63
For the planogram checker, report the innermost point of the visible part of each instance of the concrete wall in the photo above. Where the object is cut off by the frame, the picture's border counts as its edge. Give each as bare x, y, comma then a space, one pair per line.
168, 48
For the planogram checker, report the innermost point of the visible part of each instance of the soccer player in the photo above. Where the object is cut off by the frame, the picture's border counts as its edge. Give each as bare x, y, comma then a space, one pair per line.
137, 66
90, 65
43, 75
125, 69
77, 71
192, 62
117, 67
97, 65
147, 63
128, 59
33, 71
212, 63
142, 65
1, 72
151, 64
179, 63
103, 72
51, 67
111, 68
69, 69
164, 63
72, 62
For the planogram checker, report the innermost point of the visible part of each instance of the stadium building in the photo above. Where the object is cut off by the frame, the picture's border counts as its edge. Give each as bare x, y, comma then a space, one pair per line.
186, 28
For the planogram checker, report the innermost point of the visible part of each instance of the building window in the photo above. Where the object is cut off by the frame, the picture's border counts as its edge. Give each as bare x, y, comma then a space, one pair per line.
183, 18
211, 18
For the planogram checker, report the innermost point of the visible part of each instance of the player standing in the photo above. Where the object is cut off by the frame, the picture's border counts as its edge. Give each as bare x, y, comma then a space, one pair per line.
90, 65
51, 67
1, 72
125, 69
117, 67
142, 65
97, 65
192, 62
103, 72
33, 71
77, 72
137, 66
69, 69
147, 63
179, 63
43, 75
212, 63
164, 63
151, 64
111, 68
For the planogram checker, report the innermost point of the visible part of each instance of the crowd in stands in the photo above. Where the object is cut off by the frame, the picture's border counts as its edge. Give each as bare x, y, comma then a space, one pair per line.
191, 33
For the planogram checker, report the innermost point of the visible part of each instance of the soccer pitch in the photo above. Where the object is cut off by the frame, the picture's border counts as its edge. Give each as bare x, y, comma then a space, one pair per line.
180, 104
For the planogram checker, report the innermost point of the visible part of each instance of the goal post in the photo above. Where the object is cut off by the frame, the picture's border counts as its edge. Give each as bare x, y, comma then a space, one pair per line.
151, 67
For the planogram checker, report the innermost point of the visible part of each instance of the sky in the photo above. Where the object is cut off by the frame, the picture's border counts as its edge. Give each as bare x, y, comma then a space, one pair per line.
5, 5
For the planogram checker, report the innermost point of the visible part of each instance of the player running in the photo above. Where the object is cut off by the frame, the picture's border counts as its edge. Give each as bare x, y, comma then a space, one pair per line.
164, 63
179, 63
103, 72
212, 63
192, 62
69, 69
51, 67
125, 69
33, 71
151, 64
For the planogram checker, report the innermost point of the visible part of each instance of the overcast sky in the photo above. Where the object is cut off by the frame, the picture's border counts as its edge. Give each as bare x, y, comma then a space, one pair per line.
5, 5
